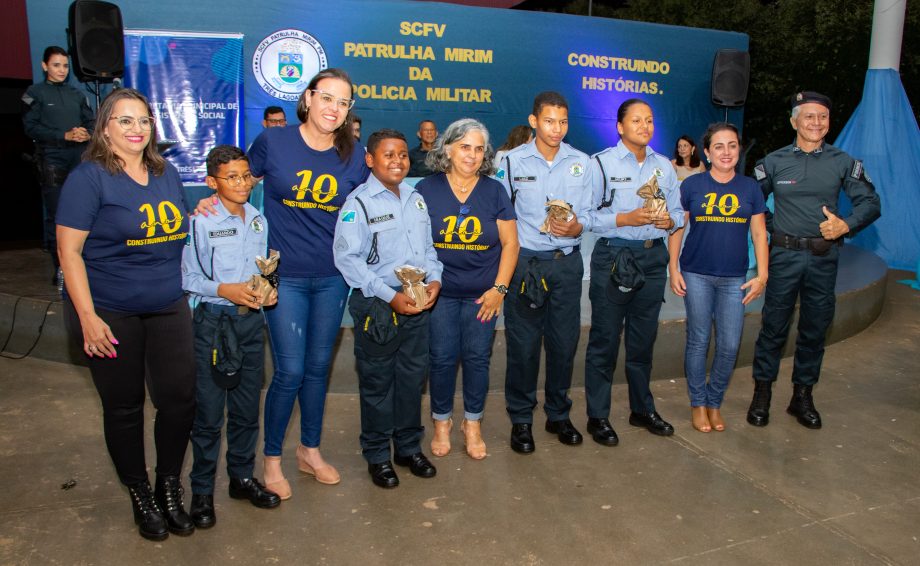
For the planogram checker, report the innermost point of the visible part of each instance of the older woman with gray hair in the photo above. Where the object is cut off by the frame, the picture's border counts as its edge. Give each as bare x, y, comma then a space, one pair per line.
475, 234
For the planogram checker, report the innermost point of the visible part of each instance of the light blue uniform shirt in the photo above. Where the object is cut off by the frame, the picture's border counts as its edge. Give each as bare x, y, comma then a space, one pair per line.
624, 177
403, 231
532, 182
227, 246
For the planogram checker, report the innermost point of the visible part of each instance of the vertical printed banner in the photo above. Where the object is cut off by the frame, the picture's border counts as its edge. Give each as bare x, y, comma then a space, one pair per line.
194, 82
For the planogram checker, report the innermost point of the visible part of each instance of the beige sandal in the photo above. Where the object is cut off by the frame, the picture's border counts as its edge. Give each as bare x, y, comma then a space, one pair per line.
325, 474
475, 445
715, 418
699, 419
440, 442
281, 487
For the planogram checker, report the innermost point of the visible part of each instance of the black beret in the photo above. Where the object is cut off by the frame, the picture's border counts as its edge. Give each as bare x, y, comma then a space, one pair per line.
810, 96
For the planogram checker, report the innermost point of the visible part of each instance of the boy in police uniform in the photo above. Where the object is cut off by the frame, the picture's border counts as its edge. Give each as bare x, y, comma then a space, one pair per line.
216, 264
384, 224
545, 169
805, 179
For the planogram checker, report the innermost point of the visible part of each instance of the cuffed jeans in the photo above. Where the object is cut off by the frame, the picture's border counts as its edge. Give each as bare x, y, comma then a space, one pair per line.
303, 327
457, 336
711, 299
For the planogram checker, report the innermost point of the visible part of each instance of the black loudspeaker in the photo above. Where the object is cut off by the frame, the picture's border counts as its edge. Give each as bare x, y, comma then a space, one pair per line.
97, 40
731, 71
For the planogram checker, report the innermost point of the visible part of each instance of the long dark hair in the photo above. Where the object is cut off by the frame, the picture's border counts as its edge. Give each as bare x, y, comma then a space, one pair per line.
517, 136
694, 158
99, 150
344, 140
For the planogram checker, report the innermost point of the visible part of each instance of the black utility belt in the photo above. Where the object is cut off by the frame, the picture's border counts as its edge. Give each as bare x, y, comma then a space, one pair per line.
232, 310
817, 246
623, 243
549, 254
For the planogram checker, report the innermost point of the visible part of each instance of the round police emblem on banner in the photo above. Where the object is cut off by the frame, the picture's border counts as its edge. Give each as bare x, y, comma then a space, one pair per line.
285, 61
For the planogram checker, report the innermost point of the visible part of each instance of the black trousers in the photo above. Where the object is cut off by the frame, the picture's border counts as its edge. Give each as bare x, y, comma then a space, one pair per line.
54, 164
796, 274
157, 345
391, 385
241, 402
556, 326
636, 320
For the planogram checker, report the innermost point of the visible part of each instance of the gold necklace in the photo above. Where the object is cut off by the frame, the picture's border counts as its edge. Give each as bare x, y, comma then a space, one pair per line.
462, 188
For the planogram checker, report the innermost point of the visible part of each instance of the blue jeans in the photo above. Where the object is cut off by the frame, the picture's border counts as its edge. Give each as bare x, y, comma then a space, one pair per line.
458, 337
303, 329
712, 299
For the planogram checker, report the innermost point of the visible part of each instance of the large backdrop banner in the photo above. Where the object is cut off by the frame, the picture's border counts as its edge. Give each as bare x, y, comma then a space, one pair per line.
414, 60
194, 82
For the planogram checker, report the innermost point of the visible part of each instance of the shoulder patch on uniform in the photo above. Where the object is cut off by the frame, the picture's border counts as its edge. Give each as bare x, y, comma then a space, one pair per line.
256, 225
420, 203
759, 172
659, 172
341, 244
348, 217
500, 174
577, 170
858, 171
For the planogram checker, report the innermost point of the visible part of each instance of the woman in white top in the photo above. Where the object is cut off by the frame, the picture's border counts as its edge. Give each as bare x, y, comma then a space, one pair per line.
686, 160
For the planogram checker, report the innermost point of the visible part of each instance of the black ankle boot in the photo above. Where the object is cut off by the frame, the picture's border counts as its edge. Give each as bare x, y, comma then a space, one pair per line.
802, 407
759, 412
147, 515
169, 497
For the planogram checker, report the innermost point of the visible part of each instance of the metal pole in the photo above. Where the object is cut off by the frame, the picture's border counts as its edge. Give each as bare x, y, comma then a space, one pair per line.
887, 33
589, 7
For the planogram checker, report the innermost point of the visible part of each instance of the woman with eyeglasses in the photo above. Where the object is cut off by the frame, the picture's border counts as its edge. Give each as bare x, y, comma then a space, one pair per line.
307, 171
475, 234
121, 228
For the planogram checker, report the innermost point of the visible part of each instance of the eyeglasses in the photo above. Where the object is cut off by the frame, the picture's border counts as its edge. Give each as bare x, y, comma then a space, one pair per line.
276, 121
328, 100
236, 180
127, 122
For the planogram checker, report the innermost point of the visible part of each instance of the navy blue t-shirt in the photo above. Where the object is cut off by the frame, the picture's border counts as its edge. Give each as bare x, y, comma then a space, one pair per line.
133, 253
720, 217
304, 190
466, 234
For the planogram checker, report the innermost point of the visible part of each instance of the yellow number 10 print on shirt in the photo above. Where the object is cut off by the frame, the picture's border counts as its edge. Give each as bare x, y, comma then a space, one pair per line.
728, 204
169, 218
469, 230
317, 190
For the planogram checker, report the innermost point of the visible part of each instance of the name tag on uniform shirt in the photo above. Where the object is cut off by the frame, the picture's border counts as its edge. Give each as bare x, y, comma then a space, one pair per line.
378, 219
222, 233
524, 179
620, 179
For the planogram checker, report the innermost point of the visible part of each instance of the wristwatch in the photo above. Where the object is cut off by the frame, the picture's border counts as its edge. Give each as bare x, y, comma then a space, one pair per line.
503, 289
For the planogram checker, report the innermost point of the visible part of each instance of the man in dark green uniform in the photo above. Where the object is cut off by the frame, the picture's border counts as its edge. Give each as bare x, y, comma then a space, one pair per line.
805, 179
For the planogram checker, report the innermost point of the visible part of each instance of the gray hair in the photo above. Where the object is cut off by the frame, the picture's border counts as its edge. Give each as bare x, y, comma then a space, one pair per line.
795, 112
439, 162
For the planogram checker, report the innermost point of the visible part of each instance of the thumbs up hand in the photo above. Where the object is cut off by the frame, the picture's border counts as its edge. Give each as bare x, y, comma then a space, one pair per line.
833, 227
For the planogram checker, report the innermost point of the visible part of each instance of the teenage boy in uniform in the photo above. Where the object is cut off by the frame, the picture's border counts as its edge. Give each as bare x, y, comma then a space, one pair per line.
535, 173
384, 224
216, 264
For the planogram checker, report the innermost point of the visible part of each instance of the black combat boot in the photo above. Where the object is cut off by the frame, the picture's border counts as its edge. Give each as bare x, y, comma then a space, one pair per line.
169, 497
759, 412
802, 407
147, 515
